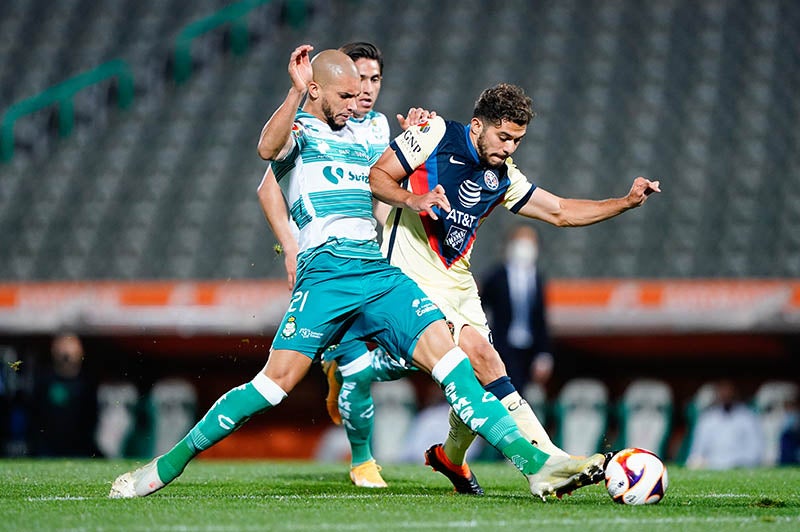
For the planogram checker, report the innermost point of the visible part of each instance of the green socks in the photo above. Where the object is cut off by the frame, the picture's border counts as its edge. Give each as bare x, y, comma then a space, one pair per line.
229, 413
357, 408
483, 413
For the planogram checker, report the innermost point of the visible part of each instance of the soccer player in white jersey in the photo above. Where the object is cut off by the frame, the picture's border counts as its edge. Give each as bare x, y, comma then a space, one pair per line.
346, 290
355, 376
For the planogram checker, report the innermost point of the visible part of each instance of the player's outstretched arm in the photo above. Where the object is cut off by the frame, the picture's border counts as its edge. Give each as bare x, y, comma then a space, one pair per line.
275, 140
273, 204
567, 212
384, 178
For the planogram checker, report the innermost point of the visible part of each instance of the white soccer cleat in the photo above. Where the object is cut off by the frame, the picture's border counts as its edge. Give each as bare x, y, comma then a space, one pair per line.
560, 475
139, 483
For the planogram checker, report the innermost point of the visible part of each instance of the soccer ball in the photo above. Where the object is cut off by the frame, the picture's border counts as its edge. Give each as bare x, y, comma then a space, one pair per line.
636, 476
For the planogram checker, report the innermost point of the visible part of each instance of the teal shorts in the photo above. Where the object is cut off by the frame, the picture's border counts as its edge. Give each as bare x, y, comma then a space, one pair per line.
338, 300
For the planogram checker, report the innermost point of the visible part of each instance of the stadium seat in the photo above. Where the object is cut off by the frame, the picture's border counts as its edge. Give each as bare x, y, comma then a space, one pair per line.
771, 401
581, 414
173, 406
117, 412
645, 416
395, 407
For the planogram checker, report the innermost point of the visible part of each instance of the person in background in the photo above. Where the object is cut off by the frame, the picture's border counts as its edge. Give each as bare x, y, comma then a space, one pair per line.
513, 295
790, 437
728, 434
64, 405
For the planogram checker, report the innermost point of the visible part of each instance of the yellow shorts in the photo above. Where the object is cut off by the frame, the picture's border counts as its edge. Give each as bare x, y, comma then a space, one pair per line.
461, 306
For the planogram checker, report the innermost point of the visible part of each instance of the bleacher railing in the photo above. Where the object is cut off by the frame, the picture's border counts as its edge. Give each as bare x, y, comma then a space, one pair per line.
234, 17
62, 95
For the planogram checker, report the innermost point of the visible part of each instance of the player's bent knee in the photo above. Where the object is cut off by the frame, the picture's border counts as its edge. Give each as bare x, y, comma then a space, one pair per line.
432, 345
269, 389
286, 368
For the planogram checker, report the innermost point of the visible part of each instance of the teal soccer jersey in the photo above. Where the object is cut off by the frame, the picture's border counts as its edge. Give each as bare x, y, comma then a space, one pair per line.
345, 289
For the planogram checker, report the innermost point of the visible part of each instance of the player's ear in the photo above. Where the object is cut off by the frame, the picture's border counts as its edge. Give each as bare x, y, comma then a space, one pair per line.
476, 126
313, 90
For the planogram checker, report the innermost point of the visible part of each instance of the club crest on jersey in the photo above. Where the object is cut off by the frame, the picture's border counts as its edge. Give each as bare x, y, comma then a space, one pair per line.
297, 131
455, 237
491, 180
290, 328
469, 194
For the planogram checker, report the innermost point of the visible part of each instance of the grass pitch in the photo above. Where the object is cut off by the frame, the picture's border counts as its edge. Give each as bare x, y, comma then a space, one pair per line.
221, 496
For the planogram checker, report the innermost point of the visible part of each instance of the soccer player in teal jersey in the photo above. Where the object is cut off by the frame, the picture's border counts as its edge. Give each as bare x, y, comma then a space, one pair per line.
360, 367
346, 290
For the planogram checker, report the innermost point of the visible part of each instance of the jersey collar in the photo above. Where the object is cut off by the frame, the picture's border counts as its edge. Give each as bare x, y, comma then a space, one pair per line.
470, 147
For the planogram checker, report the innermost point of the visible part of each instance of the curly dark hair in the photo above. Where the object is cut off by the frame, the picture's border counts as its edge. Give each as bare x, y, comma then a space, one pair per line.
366, 50
504, 101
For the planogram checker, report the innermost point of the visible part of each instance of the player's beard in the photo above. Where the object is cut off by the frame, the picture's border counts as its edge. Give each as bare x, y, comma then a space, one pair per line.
330, 118
483, 156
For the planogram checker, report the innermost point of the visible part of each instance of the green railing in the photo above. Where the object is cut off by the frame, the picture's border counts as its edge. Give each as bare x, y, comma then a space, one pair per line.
62, 95
234, 17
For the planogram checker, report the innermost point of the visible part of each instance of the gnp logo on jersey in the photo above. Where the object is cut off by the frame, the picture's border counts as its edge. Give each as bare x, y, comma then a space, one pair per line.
491, 180
290, 328
424, 127
455, 237
469, 194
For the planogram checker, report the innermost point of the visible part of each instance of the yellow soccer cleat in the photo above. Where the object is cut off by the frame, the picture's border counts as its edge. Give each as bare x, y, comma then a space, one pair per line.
367, 475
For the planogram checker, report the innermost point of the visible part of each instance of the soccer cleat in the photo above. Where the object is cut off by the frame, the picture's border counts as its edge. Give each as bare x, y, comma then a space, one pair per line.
562, 475
367, 475
585, 480
332, 400
139, 483
461, 476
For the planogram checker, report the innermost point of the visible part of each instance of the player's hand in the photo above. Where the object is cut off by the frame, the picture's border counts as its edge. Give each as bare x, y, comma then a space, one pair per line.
300, 70
641, 189
426, 202
415, 116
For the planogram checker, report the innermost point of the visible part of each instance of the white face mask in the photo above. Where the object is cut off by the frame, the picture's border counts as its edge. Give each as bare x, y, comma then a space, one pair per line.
522, 252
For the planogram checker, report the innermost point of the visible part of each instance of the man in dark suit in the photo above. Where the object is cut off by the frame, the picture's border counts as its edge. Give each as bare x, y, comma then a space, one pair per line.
513, 297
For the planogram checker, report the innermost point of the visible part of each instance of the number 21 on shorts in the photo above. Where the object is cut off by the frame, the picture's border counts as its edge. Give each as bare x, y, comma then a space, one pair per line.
298, 301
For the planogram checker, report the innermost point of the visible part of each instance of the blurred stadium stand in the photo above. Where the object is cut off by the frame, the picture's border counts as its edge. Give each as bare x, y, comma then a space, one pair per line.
699, 94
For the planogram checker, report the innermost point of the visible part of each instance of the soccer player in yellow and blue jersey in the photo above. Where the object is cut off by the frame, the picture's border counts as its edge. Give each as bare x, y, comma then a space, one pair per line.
470, 166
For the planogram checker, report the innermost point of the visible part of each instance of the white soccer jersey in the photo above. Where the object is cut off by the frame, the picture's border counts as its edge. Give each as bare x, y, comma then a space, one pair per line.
325, 179
372, 128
